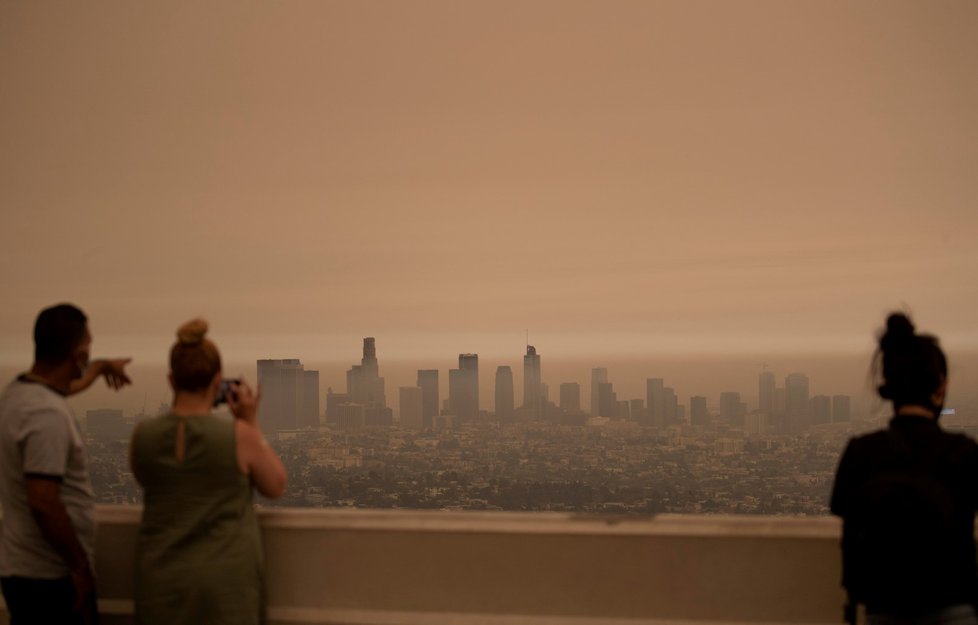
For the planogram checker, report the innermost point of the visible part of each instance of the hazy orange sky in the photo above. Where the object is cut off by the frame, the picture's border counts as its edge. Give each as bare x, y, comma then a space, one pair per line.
619, 177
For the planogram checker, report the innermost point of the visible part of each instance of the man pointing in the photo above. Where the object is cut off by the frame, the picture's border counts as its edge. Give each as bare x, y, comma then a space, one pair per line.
46, 550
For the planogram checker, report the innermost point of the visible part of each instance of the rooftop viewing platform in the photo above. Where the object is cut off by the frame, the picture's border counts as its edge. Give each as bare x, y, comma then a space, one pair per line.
394, 567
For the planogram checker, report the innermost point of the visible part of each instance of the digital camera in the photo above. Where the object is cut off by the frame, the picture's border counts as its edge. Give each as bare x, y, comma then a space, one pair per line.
225, 390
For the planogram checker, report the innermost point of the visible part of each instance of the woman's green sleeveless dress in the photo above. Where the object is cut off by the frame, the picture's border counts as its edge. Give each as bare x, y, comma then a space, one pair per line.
199, 556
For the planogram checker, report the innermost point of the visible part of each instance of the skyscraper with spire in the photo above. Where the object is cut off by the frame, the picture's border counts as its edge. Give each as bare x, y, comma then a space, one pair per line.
532, 391
366, 387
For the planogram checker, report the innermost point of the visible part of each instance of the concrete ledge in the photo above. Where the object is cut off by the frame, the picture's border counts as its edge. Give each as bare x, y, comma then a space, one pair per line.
398, 567
368, 617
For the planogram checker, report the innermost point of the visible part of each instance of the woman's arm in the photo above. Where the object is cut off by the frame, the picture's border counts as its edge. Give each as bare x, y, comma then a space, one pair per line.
260, 461
255, 457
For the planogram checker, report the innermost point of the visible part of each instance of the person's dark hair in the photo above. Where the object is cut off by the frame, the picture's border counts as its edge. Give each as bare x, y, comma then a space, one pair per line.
58, 330
911, 366
194, 359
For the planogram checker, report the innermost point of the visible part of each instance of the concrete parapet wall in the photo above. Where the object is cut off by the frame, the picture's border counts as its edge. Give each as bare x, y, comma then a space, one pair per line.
369, 567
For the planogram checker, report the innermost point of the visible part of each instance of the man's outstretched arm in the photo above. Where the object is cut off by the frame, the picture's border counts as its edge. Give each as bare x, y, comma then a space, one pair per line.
114, 370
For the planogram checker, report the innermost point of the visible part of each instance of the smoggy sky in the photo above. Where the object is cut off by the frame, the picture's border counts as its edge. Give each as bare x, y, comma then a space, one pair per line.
619, 177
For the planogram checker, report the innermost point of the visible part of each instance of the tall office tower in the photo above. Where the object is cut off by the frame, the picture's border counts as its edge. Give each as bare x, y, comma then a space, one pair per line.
353, 385
455, 391
570, 396
776, 421
544, 393
840, 408
463, 388
796, 402
698, 414
310, 400
765, 392
532, 395
411, 407
599, 375
280, 406
363, 381
680, 412
428, 383
636, 410
732, 409
671, 406
607, 400
821, 409
655, 401
505, 404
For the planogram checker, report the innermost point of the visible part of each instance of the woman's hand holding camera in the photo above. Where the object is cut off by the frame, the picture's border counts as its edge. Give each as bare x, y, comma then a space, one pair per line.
243, 402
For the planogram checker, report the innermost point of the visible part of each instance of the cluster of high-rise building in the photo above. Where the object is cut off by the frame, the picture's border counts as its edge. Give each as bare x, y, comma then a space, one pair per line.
365, 399
421, 406
791, 408
289, 395
290, 399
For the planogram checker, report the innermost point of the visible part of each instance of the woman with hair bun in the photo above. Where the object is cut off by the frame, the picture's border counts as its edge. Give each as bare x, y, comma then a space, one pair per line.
199, 554
907, 496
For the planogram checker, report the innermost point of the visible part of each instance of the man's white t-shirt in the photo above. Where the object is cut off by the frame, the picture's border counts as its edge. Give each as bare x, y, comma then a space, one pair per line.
39, 437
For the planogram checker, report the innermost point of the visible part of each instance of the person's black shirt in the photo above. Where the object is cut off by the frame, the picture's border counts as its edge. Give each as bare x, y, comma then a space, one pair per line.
907, 496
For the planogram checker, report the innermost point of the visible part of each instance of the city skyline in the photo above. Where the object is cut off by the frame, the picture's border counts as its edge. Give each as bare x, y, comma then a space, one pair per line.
661, 405
292, 397
688, 375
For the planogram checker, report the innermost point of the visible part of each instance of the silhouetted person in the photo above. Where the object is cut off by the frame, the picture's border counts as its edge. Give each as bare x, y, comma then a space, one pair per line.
46, 552
907, 497
199, 554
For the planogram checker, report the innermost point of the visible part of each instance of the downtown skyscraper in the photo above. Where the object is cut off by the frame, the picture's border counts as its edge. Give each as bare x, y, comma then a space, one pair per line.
655, 401
766, 386
570, 397
366, 388
463, 388
289, 395
532, 391
428, 383
504, 405
599, 375
797, 407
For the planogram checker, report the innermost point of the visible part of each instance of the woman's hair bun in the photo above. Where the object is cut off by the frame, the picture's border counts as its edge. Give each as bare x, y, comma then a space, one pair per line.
899, 331
898, 324
192, 332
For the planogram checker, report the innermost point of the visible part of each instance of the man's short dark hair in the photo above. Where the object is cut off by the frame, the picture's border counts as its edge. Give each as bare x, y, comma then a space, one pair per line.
57, 332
